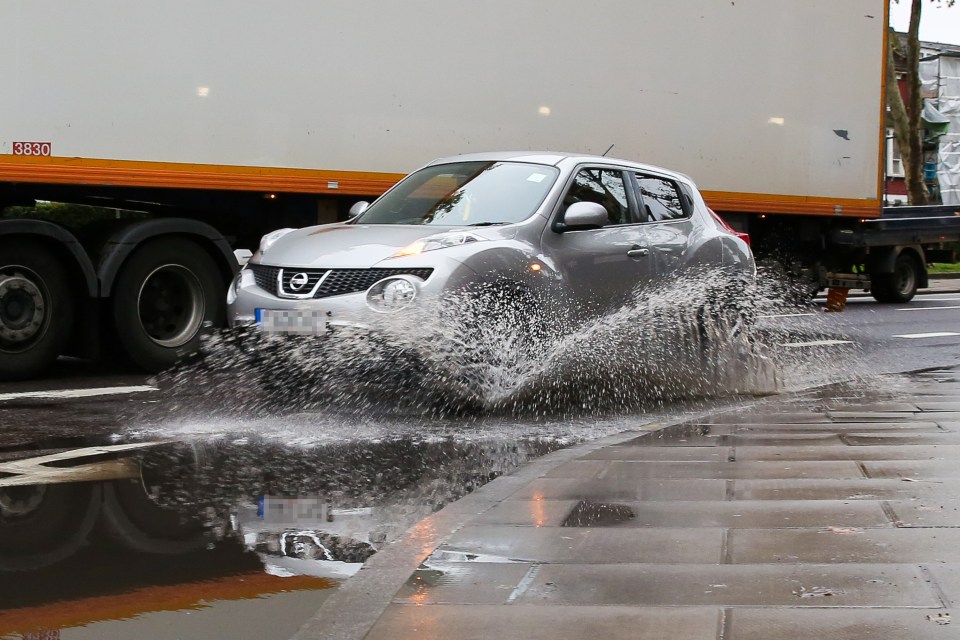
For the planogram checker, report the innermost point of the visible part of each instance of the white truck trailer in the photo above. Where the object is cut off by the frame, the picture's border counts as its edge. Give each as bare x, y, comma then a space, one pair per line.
202, 125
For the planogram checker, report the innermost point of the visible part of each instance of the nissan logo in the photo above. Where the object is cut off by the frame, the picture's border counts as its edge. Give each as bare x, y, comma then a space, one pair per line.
298, 281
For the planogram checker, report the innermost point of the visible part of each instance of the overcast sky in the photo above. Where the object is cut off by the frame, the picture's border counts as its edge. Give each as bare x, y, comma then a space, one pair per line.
937, 24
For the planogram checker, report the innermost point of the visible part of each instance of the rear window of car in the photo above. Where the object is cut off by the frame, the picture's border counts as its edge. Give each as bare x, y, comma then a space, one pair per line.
660, 199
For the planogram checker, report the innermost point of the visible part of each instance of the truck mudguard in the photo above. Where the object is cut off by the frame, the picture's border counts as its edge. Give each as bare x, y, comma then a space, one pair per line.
124, 241
59, 235
883, 259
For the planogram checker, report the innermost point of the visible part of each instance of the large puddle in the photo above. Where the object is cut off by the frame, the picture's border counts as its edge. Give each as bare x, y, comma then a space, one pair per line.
269, 470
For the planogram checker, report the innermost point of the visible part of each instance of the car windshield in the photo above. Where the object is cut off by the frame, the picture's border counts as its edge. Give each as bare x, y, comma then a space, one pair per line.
465, 194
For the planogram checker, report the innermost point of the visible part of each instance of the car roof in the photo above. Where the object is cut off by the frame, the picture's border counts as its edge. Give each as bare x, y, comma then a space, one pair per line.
554, 158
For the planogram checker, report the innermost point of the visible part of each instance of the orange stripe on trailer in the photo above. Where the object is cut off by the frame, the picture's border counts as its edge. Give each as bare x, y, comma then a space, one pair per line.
799, 205
129, 173
73, 613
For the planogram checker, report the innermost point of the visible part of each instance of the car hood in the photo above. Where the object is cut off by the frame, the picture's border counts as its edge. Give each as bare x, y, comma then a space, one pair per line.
344, 246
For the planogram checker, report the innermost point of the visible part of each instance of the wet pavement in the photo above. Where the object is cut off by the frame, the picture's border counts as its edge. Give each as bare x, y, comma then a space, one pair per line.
168, 508
833, 512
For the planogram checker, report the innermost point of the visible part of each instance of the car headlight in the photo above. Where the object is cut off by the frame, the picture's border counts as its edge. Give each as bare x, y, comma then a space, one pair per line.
438, 241
267, 241
391, 294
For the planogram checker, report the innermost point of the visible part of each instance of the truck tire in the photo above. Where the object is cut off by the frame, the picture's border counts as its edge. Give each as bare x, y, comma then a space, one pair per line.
132, 518
899, 286
36, 309
44, 524
166, 293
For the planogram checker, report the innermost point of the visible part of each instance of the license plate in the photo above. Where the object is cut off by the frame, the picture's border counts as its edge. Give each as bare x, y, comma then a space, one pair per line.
300, 322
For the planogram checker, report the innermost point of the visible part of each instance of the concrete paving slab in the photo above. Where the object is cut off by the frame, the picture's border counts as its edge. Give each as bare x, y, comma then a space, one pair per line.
767, 417
879, 416
741, 514
693, 454
576, 489
644, 470
478, 622
946, 577
868, 489
925, 513
952, 406
758, 546
530, 513
463, 583
941, 416
871, 407
844, 452
731, 585
766, 514
914, 469
839, 624
576, 545
784, 439
684, 438
904, 438
840, 427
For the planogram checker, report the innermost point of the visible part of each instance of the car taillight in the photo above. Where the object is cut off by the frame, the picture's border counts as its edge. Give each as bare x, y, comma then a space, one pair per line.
723, 223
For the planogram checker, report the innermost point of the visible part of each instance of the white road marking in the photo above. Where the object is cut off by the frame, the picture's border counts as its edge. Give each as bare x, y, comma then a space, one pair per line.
917, 336
789, 315
818, 343
75, 393
928, 308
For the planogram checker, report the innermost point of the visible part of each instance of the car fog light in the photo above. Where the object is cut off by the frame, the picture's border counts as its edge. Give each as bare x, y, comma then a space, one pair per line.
391, 294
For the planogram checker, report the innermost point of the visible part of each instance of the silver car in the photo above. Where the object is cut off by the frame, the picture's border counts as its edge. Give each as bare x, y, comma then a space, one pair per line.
580, 232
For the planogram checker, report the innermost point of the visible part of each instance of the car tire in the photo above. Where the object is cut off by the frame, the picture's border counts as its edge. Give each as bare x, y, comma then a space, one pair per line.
167, 292
36, 309
899, 286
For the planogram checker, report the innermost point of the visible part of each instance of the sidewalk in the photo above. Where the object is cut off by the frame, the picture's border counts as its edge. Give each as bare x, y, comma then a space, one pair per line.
943, 283
831, 514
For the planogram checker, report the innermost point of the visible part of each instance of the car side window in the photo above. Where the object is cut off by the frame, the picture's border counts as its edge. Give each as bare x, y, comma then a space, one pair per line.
660, 199
605, 187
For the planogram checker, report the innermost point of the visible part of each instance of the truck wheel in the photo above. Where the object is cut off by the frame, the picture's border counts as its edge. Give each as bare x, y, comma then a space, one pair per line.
44, 524
131, 517
167, 291
899, 286
36, 310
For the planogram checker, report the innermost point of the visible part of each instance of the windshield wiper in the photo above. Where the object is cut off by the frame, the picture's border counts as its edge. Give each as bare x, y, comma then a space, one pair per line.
486, 224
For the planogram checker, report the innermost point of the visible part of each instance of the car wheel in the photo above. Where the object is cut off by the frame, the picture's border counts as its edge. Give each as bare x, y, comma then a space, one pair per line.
167, 292
36, 309
899, 286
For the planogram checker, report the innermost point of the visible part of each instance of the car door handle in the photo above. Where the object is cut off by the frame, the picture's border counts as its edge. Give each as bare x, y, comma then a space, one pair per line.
638, 252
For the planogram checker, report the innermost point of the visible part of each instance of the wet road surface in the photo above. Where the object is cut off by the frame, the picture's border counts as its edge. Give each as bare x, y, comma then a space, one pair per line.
191, 522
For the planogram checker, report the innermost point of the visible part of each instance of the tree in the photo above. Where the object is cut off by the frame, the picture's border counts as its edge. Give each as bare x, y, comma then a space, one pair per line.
905, 111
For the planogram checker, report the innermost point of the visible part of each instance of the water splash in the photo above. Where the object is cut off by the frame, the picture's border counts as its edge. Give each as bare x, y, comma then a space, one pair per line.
491, 353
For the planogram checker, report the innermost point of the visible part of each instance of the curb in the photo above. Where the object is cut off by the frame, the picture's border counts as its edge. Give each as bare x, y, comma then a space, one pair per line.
357, 604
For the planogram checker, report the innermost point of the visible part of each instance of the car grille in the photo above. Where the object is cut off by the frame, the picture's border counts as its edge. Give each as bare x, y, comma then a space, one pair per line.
337, 283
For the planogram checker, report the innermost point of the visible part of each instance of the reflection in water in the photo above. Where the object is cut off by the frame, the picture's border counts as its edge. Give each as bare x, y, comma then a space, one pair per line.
205, 524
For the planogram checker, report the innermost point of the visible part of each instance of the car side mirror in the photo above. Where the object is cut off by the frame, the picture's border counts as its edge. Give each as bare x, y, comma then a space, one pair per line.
358, 208
583, 215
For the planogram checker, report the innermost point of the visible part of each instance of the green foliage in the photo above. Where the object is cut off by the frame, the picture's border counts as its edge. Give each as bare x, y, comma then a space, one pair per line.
944, 268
